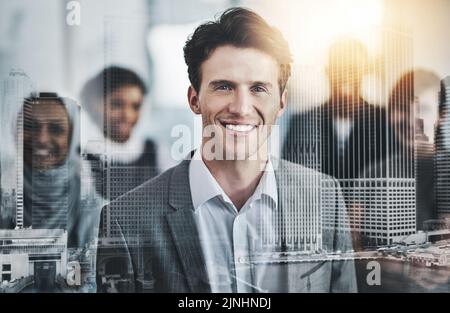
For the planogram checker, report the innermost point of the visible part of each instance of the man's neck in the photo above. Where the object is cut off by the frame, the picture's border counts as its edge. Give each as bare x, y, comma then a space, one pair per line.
238, 178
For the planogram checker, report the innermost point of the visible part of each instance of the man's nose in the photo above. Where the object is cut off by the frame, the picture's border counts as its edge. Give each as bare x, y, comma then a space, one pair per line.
241, 103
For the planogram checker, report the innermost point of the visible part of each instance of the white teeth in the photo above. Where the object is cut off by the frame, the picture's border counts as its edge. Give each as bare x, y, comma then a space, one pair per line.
240, 128
41, 152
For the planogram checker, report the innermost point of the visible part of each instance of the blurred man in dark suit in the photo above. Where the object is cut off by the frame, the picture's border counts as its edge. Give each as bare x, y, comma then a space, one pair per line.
351, 133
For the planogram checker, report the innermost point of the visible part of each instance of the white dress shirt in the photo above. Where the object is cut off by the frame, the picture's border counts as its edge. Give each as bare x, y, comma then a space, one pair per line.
230, 238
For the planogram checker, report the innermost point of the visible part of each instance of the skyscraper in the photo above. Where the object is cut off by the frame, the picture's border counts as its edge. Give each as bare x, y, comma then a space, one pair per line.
382, 200
1, 197
16, 88
443, 152
425, 189
306, 223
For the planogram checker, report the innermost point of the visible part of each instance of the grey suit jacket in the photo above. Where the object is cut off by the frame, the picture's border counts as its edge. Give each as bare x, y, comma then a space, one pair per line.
156, 238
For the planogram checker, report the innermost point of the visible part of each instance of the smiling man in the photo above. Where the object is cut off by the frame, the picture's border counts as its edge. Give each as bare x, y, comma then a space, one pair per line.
239, 99
231, 218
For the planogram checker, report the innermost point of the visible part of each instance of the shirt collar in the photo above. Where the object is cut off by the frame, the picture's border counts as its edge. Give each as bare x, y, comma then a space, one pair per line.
204, 186
267, 187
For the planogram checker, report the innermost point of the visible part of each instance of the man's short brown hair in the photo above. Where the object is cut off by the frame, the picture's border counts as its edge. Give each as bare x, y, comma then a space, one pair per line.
241, 28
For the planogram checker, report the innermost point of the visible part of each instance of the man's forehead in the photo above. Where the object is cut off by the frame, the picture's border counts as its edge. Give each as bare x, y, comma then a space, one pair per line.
231, 63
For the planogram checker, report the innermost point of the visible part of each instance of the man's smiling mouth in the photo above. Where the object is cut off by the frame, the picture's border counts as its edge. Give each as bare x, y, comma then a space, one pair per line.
238, 127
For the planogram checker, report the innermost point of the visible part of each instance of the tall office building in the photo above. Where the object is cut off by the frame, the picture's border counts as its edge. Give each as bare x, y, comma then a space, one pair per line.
302, 227
298, 225
16, 87
2, 222
114, 180
117, 170
425, 201
381, 201
442, 161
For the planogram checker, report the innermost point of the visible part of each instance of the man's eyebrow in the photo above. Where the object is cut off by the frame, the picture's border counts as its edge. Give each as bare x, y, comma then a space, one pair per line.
266, 84
219, 82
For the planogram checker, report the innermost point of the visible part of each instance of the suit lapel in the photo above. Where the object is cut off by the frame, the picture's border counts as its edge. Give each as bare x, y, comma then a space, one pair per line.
184, 230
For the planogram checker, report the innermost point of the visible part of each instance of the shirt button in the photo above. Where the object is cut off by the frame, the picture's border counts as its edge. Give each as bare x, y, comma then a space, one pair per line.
241, 259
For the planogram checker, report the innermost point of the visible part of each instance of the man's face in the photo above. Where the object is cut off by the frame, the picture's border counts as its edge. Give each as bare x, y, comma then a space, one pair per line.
46, 142
239, 100
346, 68
122, 111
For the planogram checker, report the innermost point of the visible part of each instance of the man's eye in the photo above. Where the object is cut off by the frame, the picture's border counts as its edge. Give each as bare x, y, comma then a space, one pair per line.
223, 87
259, 89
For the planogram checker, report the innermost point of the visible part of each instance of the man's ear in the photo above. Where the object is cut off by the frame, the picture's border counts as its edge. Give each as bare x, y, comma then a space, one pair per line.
283, 102
193, 100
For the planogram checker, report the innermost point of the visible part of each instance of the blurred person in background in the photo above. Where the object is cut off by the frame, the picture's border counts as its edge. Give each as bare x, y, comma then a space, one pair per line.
349, 125
51, 171
113, 100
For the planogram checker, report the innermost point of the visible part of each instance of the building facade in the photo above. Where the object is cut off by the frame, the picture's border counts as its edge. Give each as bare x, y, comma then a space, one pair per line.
37, 255
442, 162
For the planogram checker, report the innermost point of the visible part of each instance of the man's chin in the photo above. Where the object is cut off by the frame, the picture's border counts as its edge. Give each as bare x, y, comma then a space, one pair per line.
239, 153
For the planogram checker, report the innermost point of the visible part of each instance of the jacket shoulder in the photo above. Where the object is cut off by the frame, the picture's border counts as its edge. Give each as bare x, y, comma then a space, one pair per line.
151, 194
